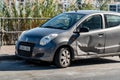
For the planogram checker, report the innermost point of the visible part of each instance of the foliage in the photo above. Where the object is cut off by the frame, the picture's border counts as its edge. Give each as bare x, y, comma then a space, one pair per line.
45, 9
103, 5
84, 6
100, 5
87, 6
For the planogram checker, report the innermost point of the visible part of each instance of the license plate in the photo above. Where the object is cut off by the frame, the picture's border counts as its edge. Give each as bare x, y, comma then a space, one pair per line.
24, 48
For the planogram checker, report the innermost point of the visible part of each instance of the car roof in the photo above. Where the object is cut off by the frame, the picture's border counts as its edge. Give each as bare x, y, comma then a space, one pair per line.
91, 12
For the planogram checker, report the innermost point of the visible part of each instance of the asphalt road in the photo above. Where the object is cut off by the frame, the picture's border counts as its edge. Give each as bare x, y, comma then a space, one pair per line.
92, 69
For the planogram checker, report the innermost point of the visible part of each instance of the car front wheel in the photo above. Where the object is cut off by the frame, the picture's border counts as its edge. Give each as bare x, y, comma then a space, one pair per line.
63, 58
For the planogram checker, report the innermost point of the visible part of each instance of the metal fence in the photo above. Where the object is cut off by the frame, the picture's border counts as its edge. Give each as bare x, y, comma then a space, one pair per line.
11, 28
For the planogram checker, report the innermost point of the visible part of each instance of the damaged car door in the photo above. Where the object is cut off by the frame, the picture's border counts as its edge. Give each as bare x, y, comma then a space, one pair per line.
93, 41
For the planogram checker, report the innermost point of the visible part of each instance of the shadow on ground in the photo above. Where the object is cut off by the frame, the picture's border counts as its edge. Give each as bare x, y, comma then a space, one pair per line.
25, 66
94, 61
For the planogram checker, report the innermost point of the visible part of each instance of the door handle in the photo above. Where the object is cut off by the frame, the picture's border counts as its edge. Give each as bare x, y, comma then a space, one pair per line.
101, 34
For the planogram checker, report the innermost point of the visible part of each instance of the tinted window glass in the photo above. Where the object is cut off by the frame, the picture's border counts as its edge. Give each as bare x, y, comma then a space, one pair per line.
93, 22
112, 20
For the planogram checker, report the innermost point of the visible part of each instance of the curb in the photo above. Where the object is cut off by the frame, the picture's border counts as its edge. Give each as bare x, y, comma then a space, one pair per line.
8, 57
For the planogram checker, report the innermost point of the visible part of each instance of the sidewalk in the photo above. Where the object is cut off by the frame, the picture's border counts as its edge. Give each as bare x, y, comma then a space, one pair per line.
7, 52
8, 49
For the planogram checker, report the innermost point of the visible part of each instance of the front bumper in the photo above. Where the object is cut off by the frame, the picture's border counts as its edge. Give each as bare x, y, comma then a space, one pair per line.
37, 52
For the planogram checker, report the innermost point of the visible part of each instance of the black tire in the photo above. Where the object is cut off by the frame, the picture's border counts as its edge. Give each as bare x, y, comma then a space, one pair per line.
63, 58
119, 56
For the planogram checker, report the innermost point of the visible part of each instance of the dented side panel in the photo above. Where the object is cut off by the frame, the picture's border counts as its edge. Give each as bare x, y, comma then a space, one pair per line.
91, 43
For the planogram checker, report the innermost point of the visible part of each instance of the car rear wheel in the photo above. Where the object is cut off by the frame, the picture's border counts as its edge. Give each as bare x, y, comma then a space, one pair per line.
63, 58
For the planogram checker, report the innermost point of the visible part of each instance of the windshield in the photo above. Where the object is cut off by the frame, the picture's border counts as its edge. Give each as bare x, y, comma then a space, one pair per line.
63, 21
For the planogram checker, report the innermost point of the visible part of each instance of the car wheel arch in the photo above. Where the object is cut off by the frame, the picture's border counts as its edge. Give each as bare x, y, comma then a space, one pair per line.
64, 46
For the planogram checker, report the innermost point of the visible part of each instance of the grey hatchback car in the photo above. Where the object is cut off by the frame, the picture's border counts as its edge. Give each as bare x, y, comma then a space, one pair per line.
71, 36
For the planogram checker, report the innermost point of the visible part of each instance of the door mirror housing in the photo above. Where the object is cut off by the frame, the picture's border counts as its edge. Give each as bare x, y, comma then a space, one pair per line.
84, 29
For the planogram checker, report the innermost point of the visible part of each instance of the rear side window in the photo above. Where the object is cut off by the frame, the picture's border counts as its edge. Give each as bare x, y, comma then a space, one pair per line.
112, 20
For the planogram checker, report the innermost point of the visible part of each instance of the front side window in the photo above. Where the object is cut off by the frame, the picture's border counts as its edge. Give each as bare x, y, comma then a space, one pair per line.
93, 22
112, 20
63, 21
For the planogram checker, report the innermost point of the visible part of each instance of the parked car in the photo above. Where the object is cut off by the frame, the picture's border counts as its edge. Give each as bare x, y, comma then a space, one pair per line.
71, 36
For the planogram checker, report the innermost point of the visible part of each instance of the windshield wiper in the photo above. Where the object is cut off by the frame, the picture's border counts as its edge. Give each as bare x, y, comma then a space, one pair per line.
63, 28
48, 26
53, 27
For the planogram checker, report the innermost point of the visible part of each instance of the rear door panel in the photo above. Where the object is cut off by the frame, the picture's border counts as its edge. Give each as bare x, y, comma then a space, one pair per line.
112, 43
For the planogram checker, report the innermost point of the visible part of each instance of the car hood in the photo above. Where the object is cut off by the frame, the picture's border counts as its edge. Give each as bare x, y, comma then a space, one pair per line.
39, 32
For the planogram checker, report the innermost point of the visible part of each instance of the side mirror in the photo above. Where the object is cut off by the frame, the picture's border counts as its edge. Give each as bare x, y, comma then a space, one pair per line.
84, 29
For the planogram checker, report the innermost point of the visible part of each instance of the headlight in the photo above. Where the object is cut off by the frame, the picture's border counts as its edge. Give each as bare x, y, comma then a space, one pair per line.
45, 40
